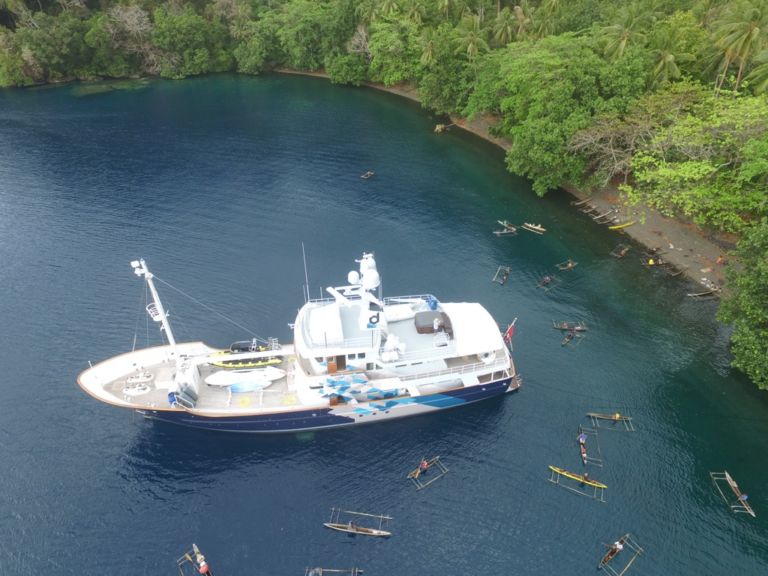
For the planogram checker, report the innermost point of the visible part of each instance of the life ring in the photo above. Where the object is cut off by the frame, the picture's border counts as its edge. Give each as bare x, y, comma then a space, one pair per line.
373, 320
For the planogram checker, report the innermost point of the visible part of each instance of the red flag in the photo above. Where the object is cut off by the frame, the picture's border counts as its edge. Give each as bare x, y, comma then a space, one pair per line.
510, 331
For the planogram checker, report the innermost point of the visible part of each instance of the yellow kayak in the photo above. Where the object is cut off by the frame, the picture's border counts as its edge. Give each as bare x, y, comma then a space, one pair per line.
577, 477
620, 226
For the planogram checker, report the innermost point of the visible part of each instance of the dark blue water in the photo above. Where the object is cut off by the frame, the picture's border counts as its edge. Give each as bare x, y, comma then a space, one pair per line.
217, 182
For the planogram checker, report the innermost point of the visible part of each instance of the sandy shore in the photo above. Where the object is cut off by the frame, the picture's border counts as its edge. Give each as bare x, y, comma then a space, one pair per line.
685, 246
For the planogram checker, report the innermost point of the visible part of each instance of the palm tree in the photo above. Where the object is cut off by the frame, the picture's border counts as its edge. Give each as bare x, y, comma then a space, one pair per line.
759, 75
665, 43
428, 47
504, 27
523, 20
628, 29
739, 34
546, 17
416, 11
470, 37
388, 8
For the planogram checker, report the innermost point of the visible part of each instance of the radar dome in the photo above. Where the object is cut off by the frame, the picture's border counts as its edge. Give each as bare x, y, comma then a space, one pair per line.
353, 277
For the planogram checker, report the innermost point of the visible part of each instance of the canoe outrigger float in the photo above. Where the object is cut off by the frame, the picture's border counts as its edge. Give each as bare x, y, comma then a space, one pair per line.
350, 527
424, 466
583, 481
740, 504
624, 543
507, 228
616, 417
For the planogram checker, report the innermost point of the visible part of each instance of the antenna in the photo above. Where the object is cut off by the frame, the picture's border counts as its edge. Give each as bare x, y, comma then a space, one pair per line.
306, 276
155, 310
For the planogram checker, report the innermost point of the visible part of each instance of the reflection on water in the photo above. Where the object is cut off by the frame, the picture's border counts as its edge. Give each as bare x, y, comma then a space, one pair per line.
216, 182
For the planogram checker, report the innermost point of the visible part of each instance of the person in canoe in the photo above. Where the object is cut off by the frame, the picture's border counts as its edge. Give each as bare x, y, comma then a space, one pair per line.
583, 451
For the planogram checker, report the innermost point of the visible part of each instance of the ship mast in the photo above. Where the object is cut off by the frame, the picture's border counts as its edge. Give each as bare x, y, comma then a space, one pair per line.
155, 309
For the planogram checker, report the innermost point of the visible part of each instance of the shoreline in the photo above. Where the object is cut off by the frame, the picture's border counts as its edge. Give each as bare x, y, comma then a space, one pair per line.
685, 246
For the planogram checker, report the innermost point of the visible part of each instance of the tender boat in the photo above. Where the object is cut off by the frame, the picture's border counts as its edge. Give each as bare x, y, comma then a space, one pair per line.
357, 358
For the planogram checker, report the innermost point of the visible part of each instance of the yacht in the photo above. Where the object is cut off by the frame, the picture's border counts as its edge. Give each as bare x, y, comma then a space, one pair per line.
357, 358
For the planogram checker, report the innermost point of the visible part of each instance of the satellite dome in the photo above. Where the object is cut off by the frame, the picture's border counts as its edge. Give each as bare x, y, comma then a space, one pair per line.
353, 277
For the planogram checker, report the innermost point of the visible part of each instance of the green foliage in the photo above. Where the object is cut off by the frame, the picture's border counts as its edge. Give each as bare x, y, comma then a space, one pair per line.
311, 30
395, 52
544, 93
256, 42
445, 81
53, 48
347, 69
746, 304
106, 59
191, 45
707, 162
12, 66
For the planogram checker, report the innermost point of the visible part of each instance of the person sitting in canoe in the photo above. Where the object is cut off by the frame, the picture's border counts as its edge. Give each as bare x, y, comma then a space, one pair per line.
583, 450
582, 438
423, 465
616, 547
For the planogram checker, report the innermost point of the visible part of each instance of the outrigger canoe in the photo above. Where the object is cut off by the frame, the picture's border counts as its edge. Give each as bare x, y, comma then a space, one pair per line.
577, 477
622, 225
537, 228
353, 528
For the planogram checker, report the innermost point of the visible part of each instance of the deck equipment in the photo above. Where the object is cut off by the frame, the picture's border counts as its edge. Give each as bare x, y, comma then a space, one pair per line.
625, 543
193, 563
578, 483
502, 275
567, 265
535, 228
570, 326
506, 228
615, 418
417, 475
738, 505
323, 571
341, 520
620, 250
593, 446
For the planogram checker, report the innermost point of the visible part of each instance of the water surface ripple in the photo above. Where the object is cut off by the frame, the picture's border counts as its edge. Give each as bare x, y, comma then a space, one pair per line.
216, 182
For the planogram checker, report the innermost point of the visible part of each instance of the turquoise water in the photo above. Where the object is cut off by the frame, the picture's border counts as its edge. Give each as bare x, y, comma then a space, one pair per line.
217, 182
